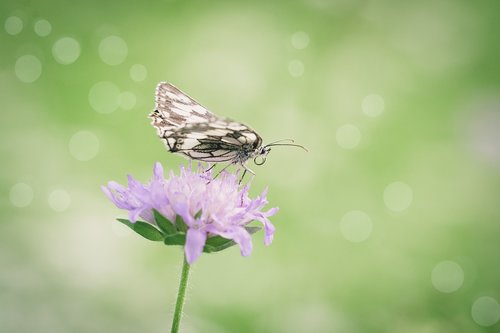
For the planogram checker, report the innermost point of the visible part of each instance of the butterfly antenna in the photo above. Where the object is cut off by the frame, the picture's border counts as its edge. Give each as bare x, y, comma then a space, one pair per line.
287, 144
282, 140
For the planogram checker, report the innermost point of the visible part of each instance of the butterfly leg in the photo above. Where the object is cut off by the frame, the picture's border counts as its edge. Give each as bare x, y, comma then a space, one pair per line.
224, 168
244, 172
210, 168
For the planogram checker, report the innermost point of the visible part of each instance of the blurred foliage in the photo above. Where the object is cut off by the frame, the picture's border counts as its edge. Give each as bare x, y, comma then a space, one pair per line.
397, 101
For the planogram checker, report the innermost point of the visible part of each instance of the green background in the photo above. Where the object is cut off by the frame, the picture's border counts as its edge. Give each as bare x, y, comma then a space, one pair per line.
397, 101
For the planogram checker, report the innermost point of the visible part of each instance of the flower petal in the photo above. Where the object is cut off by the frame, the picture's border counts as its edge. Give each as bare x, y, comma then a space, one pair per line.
244, 240
238, 234
108, 193
133, 215
195, 241
158, 171
225, 207
137, 189
120, 196
268, 232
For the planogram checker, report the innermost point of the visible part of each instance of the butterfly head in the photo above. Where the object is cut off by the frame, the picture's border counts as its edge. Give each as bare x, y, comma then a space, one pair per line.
261, 155
261, 152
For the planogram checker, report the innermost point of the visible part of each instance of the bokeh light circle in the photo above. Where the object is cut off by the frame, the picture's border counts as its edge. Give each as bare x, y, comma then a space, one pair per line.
42, 28
373, 105
138, 72
21, 195
84, 145
59, 200
28, 68
13, 25
300, 40
447, 276
66, 50
348, 136
485, 311
113, 50
356, 226
296, 68
103, 97
398, 196
127, 100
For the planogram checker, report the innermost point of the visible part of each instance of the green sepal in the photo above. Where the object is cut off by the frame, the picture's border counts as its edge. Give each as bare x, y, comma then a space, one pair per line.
175, 239
252, 230
164, 224
218, 243
144, 229
180, 224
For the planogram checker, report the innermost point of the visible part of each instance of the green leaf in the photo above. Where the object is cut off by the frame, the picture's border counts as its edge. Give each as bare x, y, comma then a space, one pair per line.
179, 223
217, 243
175, 239
127, 223
164, 224
144, 229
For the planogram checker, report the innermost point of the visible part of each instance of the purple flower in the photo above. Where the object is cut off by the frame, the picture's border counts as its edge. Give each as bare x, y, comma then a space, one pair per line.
208, 206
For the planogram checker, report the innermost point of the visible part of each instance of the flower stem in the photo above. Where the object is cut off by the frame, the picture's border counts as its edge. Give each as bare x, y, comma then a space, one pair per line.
180, 297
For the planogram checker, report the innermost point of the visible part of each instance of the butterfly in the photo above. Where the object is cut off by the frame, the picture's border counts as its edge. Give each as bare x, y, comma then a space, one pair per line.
188, 128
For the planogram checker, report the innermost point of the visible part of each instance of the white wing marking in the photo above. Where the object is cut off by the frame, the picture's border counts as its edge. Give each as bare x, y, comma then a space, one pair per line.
173, 108
216, 132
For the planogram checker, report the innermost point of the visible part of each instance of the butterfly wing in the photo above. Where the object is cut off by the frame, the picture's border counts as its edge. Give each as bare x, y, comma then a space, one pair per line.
173, 108
190, 129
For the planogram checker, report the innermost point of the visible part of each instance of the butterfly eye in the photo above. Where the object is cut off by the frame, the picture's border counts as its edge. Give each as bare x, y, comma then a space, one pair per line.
259, 160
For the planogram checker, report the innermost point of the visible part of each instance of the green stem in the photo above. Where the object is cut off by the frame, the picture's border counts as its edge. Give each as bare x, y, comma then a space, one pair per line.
180, 297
